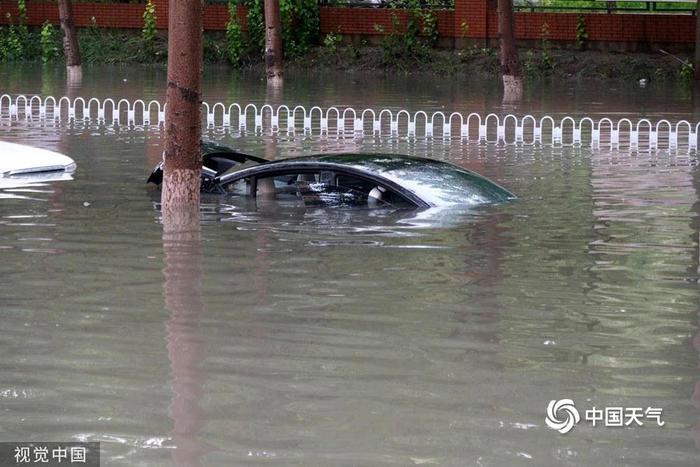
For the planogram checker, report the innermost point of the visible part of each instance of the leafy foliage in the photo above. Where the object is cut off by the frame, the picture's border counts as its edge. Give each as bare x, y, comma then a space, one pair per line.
48, 42
413, 40
581, 33
10, 45
256, 25
538, 65
430, 27
15, 40
149, 24
235, 44
547, 60
22, 9
101, 45
332, 41
464, 29
686, 72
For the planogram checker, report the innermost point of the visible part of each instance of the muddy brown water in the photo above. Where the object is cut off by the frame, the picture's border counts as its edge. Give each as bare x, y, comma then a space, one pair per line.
335, 337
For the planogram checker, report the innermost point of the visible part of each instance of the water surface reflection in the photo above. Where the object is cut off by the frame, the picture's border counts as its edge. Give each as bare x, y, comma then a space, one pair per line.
182, 290
333, 337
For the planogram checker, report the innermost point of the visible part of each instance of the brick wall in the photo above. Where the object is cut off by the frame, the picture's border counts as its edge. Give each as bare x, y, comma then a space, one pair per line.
363, 20
123, 15
478, 15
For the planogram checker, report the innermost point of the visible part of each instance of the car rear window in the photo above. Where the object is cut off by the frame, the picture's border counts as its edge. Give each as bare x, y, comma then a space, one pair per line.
441, 183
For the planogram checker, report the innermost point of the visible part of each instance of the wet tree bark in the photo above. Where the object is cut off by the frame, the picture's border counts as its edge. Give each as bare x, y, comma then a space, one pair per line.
183, 159
71, 48
510, 64
273, 43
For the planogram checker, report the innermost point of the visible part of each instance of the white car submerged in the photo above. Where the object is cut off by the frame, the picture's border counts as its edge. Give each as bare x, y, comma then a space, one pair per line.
20, 165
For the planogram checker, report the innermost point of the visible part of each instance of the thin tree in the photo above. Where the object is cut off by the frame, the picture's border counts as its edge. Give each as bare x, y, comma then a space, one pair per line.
510, 64
273, 43
183, 159
181, 227
71, 48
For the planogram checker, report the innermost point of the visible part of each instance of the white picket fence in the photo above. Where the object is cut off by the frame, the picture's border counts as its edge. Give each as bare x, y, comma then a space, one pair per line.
348, 122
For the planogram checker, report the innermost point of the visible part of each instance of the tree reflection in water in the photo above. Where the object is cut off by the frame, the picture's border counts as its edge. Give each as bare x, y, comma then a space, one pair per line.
183, 299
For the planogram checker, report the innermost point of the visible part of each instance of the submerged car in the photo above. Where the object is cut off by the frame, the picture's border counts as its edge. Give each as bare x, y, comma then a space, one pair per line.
344, 180
18, 160
22, 165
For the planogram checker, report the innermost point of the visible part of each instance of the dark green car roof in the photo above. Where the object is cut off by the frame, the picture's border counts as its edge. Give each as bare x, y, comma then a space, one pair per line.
437, 183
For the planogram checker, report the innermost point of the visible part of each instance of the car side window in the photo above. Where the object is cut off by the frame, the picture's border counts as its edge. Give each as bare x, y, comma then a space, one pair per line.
370, 192
320, 188
239, 187
291, 186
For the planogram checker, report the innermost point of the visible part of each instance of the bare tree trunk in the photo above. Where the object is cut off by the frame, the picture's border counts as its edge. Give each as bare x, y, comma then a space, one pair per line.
183, 159
510, 65
273, 42
71, 49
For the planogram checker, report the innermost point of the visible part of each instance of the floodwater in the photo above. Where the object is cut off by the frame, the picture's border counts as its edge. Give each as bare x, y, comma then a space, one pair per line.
336, 338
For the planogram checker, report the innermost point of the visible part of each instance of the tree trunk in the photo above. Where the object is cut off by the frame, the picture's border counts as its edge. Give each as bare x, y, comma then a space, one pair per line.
273, 42
71, 48
510, 65
183, 159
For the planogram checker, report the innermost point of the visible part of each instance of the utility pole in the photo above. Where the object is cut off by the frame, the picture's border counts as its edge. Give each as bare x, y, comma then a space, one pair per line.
71, 49
183, 158
273, 43
510, 64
